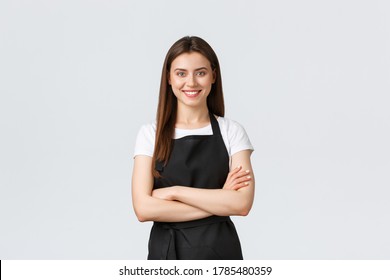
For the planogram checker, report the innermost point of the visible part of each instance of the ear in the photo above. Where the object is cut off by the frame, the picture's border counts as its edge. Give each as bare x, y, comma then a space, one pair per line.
169, 78
214, 75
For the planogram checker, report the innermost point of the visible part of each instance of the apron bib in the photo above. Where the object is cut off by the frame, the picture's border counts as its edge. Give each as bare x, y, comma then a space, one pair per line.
199, 161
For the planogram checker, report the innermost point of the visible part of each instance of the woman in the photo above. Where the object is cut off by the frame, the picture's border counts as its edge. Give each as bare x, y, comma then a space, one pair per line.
181, 178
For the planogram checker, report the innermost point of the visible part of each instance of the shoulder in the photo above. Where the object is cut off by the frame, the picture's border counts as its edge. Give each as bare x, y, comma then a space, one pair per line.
235, 134
144, 144
148, 130
230, 126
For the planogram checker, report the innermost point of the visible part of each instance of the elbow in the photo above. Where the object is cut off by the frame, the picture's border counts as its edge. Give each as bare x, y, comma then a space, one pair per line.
141, 218
237, 209
245, 206
143, 209
141, 215
243, 210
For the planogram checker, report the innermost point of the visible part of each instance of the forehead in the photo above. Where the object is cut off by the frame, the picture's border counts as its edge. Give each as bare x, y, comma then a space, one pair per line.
190, 60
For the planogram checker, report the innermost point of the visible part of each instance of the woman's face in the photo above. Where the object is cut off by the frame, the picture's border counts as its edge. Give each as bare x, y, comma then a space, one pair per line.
191, 78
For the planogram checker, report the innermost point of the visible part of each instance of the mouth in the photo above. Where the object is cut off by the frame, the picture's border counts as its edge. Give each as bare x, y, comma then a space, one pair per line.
191, 93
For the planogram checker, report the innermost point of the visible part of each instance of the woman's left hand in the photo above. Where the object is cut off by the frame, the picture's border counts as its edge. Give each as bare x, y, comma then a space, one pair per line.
164, 193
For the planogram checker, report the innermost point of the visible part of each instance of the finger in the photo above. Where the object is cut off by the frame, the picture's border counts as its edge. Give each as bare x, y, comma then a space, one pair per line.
235, 170
239, 186
243, 179
240, 174
245, 172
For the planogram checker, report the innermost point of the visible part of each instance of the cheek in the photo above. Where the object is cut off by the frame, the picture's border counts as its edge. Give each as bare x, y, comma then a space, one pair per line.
176, 83
176, 87
207, 83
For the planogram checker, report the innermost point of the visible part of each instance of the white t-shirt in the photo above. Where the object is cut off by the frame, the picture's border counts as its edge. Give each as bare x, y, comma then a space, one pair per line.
233, 135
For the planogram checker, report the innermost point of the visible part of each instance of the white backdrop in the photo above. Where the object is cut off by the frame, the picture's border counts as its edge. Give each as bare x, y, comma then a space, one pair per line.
309, 80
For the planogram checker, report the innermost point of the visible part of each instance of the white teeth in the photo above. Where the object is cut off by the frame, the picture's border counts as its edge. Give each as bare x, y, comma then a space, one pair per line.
191, 92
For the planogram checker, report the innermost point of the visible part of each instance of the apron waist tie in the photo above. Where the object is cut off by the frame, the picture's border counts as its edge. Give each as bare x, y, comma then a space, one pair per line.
169, 249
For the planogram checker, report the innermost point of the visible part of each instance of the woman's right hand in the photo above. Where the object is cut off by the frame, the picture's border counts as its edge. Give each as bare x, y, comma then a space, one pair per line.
237, 179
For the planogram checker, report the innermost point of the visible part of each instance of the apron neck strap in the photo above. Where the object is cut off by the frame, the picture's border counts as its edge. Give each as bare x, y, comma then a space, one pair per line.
214, 125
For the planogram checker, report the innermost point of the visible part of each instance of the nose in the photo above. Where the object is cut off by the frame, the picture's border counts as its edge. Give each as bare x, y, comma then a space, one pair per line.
191, 81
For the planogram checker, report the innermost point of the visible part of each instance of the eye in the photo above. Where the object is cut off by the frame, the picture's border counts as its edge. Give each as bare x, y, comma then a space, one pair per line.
181, 74
201, 73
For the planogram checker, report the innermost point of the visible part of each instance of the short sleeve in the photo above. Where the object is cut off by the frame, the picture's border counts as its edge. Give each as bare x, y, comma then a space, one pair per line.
144, 144
237, 137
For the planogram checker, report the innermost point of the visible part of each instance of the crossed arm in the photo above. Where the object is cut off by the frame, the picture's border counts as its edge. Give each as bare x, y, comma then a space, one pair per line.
181, 203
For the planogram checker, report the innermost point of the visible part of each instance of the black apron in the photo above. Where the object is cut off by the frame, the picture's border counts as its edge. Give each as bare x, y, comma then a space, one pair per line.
199, 161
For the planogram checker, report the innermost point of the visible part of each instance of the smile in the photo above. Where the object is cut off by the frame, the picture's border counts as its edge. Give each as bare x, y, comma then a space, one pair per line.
191, 93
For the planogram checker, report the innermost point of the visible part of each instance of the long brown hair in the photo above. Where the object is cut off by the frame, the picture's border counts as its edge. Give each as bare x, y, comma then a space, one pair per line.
167, 102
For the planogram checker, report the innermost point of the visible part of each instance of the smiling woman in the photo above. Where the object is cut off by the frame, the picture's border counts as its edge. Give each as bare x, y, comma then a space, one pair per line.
191, 79
183, 178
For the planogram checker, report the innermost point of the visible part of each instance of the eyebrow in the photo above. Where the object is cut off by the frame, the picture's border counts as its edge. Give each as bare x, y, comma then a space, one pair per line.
197, 69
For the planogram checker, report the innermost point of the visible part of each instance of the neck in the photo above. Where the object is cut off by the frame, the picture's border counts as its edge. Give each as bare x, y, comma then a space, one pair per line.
192, 117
